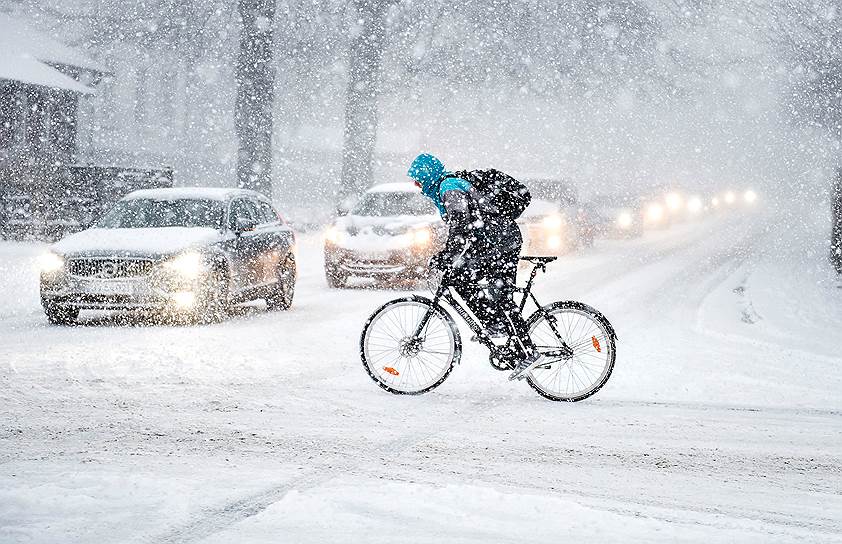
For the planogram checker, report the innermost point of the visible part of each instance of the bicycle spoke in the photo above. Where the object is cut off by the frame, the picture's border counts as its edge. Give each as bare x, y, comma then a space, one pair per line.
399, 359
586, 367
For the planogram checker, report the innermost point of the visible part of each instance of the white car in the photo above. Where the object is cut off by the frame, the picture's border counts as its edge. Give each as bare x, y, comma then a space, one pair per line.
390, 234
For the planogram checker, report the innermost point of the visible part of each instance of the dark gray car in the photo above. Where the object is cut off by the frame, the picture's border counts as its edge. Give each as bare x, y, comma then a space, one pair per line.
184, 251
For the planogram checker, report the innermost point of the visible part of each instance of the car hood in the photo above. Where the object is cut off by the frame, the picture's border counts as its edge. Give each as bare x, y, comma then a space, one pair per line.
384, 226
146, 242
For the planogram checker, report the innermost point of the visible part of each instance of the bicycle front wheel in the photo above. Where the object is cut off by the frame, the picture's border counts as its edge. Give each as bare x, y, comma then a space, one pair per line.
405, 364
578, 375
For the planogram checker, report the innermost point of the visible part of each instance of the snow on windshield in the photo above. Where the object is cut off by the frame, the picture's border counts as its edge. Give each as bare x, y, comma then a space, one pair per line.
137, 213
384, 204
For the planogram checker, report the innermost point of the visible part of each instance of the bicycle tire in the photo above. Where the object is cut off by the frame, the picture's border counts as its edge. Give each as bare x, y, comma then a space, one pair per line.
609, 337
446, 319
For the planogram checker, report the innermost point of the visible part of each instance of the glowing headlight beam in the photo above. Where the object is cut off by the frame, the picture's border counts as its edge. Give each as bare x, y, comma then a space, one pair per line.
730, 197
49, 263
552, 222
674, 201
750, 196
655, 213
334, 235
187, 265
624, 220
422, 237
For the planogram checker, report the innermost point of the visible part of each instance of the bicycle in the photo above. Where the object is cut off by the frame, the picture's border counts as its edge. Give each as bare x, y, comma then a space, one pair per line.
410, 345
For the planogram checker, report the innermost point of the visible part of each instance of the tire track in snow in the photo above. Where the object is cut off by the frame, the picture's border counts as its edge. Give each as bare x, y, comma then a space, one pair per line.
213, 520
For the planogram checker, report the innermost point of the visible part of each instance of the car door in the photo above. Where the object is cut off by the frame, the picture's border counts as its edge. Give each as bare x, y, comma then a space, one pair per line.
277, 237
244, 246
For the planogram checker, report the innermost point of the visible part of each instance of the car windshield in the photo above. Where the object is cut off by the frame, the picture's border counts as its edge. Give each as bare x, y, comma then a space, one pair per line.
141, 213
382, 204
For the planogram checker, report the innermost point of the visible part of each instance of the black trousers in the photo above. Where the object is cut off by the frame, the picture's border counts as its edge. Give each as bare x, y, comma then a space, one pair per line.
487, 280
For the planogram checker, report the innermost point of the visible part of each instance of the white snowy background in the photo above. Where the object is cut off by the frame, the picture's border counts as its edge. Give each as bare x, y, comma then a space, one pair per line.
722, 421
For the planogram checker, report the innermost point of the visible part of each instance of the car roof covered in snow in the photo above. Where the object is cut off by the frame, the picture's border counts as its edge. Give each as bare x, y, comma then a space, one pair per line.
394, 187
192, 193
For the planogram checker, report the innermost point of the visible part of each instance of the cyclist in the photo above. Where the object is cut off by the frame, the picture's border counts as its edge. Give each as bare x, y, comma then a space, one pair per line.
481, 245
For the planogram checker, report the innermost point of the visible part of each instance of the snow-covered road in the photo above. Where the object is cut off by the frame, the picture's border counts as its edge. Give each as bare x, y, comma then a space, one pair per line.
722, 420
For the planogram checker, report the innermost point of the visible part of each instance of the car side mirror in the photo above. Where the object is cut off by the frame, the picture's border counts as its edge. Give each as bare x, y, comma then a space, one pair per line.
244, 224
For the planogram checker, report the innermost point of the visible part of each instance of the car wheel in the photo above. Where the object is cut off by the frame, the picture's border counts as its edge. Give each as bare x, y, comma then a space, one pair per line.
61, 316
281, 299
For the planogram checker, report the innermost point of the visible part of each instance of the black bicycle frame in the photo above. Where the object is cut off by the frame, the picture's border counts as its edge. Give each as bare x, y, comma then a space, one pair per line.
444, 293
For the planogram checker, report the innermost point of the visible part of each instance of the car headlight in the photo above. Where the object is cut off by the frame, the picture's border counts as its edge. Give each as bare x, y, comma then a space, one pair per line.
655, 213
187, 265
552, 222
674, 201
50, 263
750, 196
422, 237
624, 220
334, 235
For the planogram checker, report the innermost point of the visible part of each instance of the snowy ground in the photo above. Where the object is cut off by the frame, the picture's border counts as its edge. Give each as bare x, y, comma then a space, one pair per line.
722, 421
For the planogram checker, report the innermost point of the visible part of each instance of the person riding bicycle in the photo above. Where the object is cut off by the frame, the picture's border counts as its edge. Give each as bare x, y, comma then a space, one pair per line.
481, 245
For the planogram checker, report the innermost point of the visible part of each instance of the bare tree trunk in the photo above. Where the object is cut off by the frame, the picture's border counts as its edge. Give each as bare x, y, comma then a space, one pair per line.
255, 95
360, 131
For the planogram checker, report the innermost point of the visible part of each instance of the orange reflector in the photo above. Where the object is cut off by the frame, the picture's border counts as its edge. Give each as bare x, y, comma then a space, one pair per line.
596, 345
391, 370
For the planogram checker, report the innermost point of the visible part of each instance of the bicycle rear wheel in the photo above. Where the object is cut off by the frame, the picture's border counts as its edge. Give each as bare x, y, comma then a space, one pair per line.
591, 338
399, 362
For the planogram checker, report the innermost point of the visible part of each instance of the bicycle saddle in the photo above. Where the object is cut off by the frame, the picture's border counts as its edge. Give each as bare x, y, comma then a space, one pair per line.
537, 260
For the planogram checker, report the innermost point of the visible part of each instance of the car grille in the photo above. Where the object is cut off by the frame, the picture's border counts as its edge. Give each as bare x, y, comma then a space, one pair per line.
109, 268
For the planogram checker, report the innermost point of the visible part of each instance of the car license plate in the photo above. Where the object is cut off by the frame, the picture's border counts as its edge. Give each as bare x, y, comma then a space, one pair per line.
109, 287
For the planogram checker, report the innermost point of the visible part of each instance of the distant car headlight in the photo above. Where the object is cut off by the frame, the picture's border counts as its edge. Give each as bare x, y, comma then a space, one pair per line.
50, 263
730, 197
187, 265
750, 196
625, 220
552, 222
422, 237
655, 213
334, 235
674, 201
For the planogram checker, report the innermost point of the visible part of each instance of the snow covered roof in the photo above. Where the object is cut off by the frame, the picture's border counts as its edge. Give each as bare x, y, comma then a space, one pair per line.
26, 52
394, 187
18, 37
203, 193
26, 69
